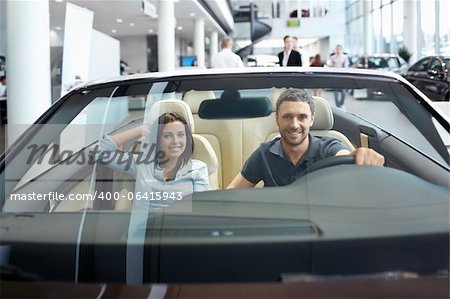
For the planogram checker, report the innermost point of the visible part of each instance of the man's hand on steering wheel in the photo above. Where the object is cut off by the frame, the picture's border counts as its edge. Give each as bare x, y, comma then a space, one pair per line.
365, 156
360, 156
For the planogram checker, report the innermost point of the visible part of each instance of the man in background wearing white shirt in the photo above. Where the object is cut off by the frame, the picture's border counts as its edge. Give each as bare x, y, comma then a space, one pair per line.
226, 58
339, 59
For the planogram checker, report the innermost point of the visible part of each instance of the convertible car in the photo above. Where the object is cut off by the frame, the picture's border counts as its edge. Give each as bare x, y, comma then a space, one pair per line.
68, 217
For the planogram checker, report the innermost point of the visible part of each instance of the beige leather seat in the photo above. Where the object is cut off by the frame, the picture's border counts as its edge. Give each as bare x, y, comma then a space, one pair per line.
225, 136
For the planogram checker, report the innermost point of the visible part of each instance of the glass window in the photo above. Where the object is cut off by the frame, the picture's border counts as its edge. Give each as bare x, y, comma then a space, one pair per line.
435, 63
392, 62
427, 26
386, 28
376, 21
376, 4
444, 27
421, 65
447, 64
65, 154
397, 26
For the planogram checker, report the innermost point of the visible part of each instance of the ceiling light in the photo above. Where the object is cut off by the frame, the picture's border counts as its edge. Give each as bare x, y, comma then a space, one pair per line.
58, 28
59, 1
179, 27
131, 24
113, 30
192, 14
119, 20
150, 31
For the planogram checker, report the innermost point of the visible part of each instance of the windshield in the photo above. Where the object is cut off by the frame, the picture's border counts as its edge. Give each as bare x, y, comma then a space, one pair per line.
144, 164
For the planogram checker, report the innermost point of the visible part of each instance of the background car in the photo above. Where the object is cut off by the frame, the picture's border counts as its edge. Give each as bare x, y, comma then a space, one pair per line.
69, 219
431, 76
384, 62
262, 60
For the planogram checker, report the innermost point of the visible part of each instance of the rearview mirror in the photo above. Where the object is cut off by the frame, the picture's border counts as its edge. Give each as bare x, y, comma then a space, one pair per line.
242, 108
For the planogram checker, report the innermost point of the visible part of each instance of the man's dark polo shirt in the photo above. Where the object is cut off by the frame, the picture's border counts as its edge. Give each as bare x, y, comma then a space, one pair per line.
270, 164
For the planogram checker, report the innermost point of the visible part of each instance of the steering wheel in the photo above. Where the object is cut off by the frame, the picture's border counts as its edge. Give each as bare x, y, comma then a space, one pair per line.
328, 162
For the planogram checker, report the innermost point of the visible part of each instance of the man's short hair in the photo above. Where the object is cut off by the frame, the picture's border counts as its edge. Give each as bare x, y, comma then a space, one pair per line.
295, 95
286, 37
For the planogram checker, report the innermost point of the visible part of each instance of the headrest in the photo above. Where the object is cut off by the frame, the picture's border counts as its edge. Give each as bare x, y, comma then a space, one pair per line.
203, 151
230, 95
163, 106
194, 97
274, 94
323, 116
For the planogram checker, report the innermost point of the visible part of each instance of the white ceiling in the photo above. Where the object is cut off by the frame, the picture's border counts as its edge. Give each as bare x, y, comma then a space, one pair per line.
106, 12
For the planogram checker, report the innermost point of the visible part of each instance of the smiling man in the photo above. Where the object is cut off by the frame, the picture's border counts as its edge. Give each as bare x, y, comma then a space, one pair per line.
280, 161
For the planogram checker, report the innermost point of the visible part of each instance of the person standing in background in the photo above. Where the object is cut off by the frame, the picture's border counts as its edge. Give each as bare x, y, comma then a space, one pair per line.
289, 57
317, 62
339, 59
3, 86
226, 58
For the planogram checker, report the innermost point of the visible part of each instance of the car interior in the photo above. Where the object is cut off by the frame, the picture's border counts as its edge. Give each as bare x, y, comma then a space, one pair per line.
223, 139
225, 144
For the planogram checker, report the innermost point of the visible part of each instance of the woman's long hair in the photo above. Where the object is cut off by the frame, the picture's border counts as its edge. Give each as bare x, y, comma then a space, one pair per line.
167, 118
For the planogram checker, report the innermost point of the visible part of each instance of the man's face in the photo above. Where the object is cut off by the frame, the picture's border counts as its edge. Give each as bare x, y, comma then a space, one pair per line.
338, 50
294, 120
288, 43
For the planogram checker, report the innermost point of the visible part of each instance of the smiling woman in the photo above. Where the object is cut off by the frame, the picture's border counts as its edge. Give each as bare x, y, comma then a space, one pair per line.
319, 220
175, 141
171, 168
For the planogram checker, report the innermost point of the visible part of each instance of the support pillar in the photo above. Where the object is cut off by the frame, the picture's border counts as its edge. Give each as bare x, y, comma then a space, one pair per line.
367, 28
199, 42
28, 63
213, 44
166, 36
410, 28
